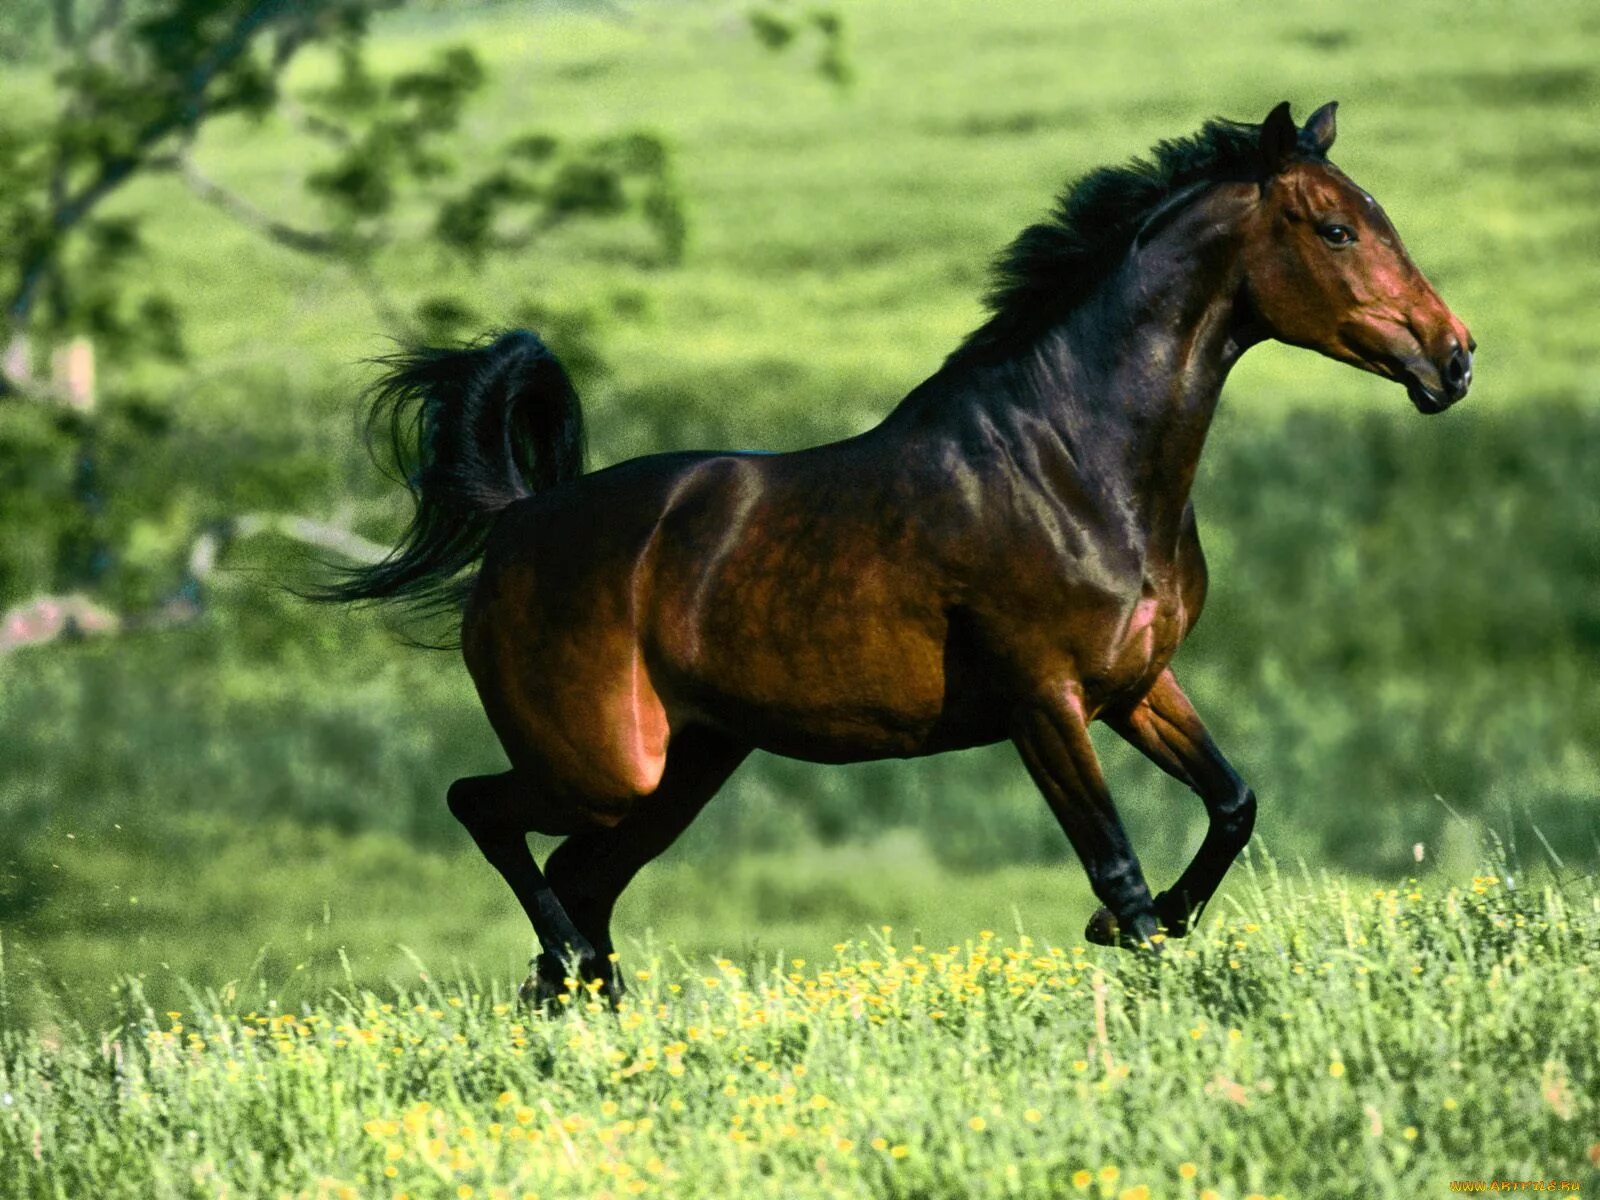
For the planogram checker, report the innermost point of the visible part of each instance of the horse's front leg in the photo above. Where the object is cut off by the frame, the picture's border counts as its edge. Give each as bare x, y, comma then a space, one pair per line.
1052, 736
1165, 728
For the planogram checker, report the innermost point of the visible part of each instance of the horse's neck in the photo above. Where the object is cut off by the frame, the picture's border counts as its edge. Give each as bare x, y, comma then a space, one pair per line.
1126, 387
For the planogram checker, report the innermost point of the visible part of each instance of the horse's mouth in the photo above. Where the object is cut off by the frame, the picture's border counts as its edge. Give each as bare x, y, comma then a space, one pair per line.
1410, 370
1428, 400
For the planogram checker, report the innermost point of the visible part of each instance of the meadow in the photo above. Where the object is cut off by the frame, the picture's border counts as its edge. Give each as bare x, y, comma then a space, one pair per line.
1316, 1040
242, 820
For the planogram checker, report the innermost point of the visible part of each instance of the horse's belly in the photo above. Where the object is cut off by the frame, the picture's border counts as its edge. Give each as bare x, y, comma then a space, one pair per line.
823, 702
853, 735
831, 654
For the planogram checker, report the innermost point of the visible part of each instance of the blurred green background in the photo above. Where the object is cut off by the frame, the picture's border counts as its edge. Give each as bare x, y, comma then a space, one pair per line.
1404, 622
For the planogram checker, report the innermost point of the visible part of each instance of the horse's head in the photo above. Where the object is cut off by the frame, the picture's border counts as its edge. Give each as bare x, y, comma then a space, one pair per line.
1325, 269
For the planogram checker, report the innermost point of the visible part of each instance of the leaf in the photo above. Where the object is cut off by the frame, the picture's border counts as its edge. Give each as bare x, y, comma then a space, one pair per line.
534, 147
441, 319
587, 187
772, 30
360, 183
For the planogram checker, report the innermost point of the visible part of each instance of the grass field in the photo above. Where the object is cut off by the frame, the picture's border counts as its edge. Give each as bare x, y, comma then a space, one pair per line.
1314, 1040
245, 816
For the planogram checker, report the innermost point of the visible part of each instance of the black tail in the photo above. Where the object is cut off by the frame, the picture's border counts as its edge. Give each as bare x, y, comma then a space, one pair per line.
472, 430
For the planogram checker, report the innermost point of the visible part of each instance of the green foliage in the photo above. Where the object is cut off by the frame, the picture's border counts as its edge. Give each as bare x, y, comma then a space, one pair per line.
128, 84
37, 448
1412, 1035
130, 97
777, 26
407, 130
547, 185
22, 28
395, 130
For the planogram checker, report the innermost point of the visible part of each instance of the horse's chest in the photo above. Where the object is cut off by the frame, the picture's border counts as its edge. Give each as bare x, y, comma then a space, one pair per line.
1138, 648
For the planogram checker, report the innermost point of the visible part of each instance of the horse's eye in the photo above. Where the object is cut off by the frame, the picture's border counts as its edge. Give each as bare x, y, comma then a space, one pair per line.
1337, 235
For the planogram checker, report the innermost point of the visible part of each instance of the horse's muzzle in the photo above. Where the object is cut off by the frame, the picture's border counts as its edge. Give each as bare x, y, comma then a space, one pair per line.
1452, 380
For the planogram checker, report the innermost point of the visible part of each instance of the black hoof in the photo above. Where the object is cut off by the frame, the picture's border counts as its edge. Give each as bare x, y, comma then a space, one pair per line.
1103, 930
1174, 916
546, 983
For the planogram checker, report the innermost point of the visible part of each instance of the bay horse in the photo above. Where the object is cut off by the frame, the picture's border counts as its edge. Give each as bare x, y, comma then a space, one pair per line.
1010, 554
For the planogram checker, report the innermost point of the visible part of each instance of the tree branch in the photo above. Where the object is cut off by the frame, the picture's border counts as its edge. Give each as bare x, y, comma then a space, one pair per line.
307, 241
321, 534
51, 618
185, 111
316, 126
378, 296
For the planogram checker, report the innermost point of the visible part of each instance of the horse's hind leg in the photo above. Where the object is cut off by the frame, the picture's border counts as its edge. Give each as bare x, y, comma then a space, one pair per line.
589, 870
485, 804
1053, 737
1165, 728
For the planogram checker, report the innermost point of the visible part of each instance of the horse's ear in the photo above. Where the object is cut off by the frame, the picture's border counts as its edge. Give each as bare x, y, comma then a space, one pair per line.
1320, 130
1279, 136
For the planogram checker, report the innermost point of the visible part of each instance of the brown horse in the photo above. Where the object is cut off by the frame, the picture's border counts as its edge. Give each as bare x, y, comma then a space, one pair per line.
1011, 553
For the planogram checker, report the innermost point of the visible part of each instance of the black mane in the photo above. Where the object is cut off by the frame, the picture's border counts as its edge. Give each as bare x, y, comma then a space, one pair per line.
1052, 266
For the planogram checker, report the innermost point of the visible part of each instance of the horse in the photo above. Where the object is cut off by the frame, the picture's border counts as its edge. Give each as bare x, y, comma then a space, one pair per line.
1011, 553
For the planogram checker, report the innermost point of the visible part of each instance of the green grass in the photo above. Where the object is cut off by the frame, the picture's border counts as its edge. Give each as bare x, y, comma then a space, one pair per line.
1314, 1040
289, 912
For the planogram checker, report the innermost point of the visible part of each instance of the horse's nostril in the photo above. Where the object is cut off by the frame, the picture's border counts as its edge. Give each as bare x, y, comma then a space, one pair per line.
1457, 372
